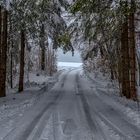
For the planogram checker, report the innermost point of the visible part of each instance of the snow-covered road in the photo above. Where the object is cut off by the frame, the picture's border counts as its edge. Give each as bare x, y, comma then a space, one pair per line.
74, 110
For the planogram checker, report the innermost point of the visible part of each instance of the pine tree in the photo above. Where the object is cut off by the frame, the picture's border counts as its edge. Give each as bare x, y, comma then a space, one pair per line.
22, 63
3, 53
125, 57
133, 93
42, 47
1, 92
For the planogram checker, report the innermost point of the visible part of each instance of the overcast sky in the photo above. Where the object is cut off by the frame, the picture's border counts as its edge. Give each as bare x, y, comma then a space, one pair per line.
68, 57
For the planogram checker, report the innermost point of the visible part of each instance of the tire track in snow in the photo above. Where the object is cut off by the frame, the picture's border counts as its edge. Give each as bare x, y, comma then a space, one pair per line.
98, 134
112, 125
58, 97
26, 133
83, 98
104, 118
42, 125
28, 130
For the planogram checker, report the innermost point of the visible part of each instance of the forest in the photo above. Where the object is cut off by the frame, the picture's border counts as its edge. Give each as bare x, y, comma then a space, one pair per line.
104, 30
40, 100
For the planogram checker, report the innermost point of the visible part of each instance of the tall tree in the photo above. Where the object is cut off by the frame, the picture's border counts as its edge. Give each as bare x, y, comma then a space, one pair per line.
110, 24
1, 92
132, 50
22, 63
42, 47
125, 55
3, 54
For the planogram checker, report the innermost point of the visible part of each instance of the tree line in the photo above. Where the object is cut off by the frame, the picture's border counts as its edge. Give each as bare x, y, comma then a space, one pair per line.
109, 30
107, 33
30, 33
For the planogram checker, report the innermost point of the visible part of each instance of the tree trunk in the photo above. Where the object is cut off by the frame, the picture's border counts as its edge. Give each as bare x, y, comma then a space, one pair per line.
132, 44
1, 92
43, 58
126, 57
42, 46
11, 46
139, 71
112, 73
125, 61
0, 33
11, 67
0, 39
122, 66
3, 55
22, 55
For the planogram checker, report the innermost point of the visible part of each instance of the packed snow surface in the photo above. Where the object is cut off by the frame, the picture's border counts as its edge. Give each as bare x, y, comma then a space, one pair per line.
75, 108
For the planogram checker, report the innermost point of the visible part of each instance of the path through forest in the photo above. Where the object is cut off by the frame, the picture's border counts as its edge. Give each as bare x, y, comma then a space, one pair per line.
74, 110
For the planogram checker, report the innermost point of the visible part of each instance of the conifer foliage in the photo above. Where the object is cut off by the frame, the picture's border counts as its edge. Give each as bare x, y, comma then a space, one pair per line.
26, 26
108, 31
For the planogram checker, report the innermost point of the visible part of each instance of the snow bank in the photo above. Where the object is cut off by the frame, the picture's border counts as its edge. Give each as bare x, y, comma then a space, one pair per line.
109, 91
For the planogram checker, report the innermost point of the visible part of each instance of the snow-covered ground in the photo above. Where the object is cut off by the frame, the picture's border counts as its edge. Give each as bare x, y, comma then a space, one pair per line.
69, 64
110, 89
14, 105
33, 79
75, 108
